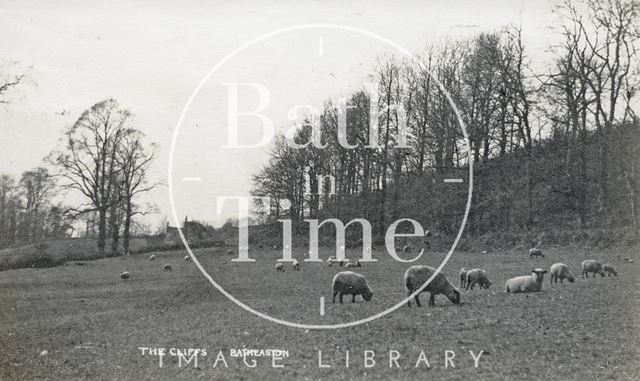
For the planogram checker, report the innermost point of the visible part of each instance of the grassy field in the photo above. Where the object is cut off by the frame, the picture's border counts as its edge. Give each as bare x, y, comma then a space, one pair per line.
91, 323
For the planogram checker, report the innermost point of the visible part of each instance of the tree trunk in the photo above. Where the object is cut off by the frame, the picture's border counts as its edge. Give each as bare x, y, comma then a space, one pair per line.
102, 230
127, 227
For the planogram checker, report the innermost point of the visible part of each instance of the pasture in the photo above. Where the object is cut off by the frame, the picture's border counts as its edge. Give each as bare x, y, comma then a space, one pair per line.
91, 322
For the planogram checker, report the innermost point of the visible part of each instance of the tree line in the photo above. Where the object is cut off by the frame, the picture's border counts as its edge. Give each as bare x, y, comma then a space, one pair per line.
557, 145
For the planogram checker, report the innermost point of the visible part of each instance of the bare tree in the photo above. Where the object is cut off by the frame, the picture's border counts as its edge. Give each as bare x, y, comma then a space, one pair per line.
134, 159
89, 162
36, 186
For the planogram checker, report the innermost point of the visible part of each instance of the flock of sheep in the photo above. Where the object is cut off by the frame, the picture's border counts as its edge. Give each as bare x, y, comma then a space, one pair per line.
351, 283
167, 266
354, 284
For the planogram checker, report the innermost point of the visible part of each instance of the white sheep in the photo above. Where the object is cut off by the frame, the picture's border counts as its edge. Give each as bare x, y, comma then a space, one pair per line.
330, 261
187, 258
295, 265
279, 267
152, 257
610, 270
560, 271
535, 252
477, 276
591, 266
348, 282
463, 277
416, 276
526, 283
125, 275
353, 264
167, 267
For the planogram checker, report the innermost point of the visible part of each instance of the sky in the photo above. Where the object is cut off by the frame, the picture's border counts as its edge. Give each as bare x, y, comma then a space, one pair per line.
151, 56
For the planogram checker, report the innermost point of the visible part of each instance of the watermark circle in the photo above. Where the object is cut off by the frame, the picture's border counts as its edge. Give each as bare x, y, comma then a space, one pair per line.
195, 93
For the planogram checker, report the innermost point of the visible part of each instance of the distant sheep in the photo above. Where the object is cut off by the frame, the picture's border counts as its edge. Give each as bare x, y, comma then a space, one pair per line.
591, 266
560, 271
610, 270
279, 267
353, 264
168, 267
295, 265
187, 258
152, 258
348, 282
526, 283
416, 276
463, 277
478, 276
125, 275
340, 262
535, 252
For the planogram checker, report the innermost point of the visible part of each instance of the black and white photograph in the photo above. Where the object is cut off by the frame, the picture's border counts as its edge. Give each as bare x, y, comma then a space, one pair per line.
320, 190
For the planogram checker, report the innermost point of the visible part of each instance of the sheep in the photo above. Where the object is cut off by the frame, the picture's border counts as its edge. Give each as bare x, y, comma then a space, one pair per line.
279, 267
477, 276
330, 261
560, 271
353, 264
535, 252
348, 282
295, 265
591, 266
416, 276
125, 275
152, 257
485, 251
610, 270
463, 277
526, 283
167, 267
187, 258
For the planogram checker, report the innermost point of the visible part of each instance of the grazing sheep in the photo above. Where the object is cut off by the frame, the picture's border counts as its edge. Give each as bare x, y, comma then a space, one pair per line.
526, 283
463, 277
330, 261
348, 282
477, 276
295, 265
125, 275
167, 267
485, 251
560, 271
187, 258
416, 276
610, 270
152, 258
591, 266
279, 267
535, 252
353, 264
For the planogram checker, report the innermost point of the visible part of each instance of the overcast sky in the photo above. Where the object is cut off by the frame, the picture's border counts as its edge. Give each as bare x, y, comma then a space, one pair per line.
150, 56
